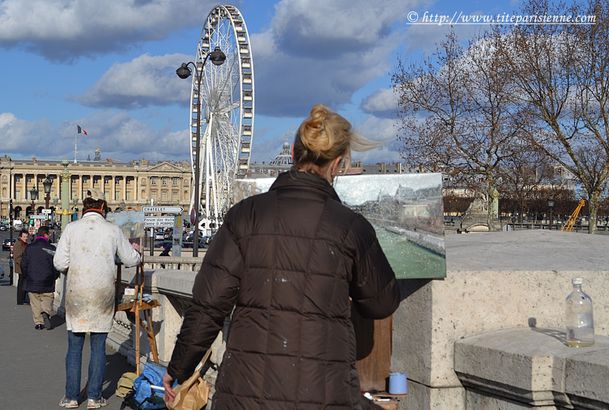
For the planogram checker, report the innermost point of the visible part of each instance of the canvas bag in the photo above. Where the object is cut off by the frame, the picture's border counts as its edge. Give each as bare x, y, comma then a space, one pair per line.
125, 384
193, 394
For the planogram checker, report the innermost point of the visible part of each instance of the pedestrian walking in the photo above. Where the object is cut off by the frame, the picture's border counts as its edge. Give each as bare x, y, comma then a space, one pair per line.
290, 261
39, 277
20, 244
86, 252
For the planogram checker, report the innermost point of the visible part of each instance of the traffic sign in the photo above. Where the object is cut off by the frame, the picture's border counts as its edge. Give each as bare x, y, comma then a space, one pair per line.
162, 209
38, 217
46, 211
159, 221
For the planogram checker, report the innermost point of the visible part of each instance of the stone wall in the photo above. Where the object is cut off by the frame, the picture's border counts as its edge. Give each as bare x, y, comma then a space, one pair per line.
494, 281
498, 280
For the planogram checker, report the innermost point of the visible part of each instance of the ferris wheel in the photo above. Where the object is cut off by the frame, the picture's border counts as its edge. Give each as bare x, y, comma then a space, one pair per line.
224, 111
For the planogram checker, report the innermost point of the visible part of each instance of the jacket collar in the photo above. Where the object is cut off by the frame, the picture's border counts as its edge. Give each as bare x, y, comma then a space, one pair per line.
294, 179
92, 214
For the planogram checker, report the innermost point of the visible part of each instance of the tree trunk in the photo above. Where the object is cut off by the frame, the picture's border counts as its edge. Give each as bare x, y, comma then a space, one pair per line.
593, 207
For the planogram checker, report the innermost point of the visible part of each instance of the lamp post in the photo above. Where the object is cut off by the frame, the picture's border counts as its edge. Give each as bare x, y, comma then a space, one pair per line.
33, 197
65, 193
551, 206
217, 57
47, 184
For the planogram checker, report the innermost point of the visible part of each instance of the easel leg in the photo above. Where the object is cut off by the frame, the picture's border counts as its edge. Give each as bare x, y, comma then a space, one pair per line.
137, 338
150, 332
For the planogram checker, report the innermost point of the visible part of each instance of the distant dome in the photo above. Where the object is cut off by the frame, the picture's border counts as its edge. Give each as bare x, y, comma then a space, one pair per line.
285, 157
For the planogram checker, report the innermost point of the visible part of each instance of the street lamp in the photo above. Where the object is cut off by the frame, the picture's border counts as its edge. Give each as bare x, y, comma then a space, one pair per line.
551, 206
33, 197
217, 58
47, 184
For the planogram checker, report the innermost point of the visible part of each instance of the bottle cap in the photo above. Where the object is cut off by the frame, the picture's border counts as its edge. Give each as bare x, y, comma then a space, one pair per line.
577, 281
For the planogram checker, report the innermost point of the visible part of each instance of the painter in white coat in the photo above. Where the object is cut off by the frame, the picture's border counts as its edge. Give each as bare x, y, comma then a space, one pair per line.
87, 250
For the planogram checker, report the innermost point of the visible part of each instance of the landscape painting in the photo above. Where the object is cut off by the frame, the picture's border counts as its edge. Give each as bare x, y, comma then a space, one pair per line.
406, 211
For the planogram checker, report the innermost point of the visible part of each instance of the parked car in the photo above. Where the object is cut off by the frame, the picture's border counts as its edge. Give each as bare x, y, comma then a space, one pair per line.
188, 240
6, 245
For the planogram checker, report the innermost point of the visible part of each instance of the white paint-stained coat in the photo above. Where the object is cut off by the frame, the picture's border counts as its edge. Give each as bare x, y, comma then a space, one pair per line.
87, 250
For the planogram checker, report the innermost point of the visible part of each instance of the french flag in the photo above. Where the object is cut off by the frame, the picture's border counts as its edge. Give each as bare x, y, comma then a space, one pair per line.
81, 130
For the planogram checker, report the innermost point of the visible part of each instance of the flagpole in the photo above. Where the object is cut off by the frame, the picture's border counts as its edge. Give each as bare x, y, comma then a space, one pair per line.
75, 139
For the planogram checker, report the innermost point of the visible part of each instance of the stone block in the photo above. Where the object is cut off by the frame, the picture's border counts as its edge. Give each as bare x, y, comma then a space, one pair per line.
495, 280
532, 367
587, 376
421, 396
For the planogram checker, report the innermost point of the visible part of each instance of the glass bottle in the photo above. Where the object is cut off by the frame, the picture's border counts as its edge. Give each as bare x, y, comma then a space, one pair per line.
579, 317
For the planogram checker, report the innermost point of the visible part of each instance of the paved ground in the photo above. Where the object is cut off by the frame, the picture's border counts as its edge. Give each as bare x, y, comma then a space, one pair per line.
32, 361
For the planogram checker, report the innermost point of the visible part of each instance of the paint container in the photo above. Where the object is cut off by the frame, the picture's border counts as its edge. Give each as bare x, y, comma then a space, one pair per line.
398, 383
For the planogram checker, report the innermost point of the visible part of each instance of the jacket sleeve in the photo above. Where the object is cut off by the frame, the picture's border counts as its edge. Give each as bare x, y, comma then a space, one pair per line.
213, 295
61, 260
373, 288
126, 253
18, 250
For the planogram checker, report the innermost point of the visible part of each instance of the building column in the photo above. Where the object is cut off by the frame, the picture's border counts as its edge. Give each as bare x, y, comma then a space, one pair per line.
11, 188
113, 196
136, 189
57, 184
125, 188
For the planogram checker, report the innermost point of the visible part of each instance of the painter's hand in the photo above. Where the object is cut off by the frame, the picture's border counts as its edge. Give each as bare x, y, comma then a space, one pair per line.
170, 394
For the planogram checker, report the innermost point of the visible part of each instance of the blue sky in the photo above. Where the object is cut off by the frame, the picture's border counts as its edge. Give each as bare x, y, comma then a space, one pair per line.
110, 67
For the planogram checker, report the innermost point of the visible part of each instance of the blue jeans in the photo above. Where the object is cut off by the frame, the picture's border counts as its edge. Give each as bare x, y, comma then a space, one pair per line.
97, 364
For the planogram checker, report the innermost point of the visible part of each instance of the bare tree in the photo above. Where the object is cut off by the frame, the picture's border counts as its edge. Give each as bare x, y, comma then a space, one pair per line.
522, 175
562, 72
457, 115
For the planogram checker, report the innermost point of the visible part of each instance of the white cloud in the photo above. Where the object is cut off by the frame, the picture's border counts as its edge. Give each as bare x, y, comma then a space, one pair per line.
319, 51
118, 135
143, 81
65, 29
23, 137
382, 103
427, 37
383, 130
332, 28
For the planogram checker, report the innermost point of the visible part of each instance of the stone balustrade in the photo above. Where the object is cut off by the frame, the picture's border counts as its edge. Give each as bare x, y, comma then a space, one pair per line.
495, 282
532, 367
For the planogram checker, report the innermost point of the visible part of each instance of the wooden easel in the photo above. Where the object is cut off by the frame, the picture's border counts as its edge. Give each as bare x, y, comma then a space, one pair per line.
143, 315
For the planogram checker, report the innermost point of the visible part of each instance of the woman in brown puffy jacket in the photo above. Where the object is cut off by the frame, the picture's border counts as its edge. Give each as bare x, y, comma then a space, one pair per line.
291, 261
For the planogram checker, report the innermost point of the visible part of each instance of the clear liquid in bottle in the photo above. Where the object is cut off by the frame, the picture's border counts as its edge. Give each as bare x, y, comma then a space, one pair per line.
579, 317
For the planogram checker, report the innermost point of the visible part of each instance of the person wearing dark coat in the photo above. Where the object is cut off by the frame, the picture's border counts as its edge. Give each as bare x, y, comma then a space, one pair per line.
291, 262
39, 278
20, 244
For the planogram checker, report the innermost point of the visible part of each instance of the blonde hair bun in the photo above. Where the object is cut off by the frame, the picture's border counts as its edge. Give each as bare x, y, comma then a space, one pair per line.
325, 135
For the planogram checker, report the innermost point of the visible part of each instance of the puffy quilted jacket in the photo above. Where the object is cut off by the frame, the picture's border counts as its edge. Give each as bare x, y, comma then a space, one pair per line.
289, 261
37, 266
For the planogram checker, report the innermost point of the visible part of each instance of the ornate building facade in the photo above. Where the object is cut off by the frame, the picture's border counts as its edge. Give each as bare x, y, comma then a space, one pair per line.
126, 185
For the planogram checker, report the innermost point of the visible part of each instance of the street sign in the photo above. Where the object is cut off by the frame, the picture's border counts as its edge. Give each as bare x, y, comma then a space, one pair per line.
38, 217
46, 211
162, 209
159, 221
